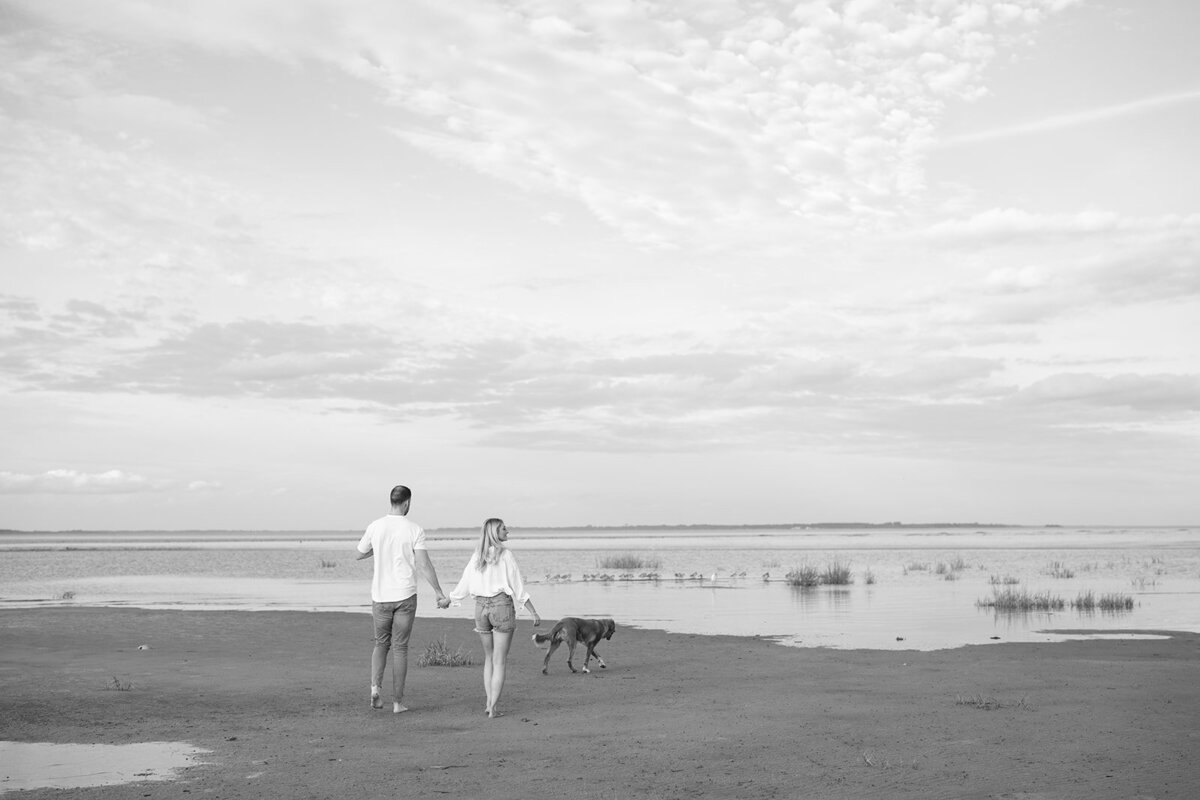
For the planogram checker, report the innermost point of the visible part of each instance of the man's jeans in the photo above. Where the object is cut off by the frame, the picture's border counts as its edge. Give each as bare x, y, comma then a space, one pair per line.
393, 625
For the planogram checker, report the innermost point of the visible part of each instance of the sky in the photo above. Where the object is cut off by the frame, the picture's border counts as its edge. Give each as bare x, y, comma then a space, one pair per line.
598, 263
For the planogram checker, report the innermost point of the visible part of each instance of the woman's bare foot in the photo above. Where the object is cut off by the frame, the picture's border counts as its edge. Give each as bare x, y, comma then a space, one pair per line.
376, 700
494, 712
398, 709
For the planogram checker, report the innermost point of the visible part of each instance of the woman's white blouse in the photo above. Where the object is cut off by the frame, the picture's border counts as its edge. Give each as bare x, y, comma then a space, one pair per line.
502, 576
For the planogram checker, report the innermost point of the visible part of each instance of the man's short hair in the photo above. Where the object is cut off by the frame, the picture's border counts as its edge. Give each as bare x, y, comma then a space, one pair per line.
401, 495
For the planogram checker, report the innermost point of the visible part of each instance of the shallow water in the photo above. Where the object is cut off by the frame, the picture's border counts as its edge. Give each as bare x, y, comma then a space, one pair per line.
41, 765
911, 589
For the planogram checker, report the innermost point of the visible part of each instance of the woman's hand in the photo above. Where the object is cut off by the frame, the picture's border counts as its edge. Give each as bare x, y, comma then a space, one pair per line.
536, 620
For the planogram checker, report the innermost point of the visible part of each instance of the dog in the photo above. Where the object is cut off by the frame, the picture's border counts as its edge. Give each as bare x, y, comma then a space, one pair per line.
574, 630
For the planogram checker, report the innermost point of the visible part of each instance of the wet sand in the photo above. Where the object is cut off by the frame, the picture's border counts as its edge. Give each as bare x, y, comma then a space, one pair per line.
281, 701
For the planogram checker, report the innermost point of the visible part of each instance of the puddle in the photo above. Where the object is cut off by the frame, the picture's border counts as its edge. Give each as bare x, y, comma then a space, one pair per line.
39, 765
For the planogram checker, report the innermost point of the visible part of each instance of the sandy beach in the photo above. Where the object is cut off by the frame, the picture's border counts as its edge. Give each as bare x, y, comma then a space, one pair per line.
280, 700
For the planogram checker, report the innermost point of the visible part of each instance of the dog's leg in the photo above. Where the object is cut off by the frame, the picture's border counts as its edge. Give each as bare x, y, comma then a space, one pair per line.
554, 643
591, 653
571, 654
599, 660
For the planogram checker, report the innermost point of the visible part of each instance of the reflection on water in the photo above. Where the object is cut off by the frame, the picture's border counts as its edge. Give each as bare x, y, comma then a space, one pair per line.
923, 595
40, 765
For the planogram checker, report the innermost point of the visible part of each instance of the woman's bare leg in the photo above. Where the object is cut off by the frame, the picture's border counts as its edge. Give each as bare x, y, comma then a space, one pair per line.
486, 640
502, 641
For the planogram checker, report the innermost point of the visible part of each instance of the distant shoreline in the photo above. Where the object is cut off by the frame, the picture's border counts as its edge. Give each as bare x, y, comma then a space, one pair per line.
799, 526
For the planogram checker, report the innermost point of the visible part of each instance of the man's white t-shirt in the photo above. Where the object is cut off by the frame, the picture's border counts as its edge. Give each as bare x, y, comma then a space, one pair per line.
395, 540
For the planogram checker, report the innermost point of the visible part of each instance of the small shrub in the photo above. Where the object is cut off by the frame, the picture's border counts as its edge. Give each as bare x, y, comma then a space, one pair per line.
118, 685
628, 561
68, 595
437, 654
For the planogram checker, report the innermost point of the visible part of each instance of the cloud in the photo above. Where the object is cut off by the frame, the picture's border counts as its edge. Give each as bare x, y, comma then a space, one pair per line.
1075, 119
709, 125
69, 481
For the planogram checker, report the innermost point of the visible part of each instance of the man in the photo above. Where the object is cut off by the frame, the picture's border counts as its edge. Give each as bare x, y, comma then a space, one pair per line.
398, 545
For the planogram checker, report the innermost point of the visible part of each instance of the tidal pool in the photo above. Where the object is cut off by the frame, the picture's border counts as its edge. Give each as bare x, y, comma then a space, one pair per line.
43, 765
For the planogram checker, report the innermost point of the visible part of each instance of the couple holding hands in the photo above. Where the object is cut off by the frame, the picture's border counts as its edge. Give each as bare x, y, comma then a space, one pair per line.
491, 576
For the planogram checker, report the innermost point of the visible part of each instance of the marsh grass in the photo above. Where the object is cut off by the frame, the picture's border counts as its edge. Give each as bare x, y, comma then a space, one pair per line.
916, 566
1058, 569
950, 569
115, 684
1021, 600
68, 595
1003, 580
325, 564
983, 703
804, 575
438, 654
868, 576
628, 561
1109, 601
837, 574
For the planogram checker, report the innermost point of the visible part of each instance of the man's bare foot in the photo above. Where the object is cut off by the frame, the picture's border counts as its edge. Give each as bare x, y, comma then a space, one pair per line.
376, 700
398, 709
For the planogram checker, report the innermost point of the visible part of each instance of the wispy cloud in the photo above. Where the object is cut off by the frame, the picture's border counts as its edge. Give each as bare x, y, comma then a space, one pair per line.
1057, 122
69, 481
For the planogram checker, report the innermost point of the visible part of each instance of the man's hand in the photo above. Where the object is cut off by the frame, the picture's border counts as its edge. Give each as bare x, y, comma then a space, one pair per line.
367, 554
536, 620
443, 602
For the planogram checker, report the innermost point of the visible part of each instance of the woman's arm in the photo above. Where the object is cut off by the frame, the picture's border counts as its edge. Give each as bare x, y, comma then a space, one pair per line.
463, 589
537, 618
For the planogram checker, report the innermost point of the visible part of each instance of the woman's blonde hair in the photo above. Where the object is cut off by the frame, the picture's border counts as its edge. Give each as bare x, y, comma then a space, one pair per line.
490, 547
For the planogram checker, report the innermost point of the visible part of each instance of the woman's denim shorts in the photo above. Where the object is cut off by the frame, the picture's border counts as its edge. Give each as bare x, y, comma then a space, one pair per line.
495, 613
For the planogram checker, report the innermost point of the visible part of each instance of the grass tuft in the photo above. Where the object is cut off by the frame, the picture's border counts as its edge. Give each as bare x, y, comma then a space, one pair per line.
68, 595
804, 575
118, 685
438, 654
837, 574
325, 564
628, 561
1058, 569
991, 703
1021, 600
1110, 601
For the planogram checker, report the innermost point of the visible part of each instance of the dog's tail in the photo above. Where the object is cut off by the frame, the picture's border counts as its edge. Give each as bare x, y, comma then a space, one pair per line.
543, 640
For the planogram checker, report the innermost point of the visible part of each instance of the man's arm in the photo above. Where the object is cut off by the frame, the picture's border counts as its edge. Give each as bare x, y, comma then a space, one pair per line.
425, 567
367, 554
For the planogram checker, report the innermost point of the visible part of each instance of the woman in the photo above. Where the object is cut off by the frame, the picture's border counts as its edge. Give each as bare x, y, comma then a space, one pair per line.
493, 578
